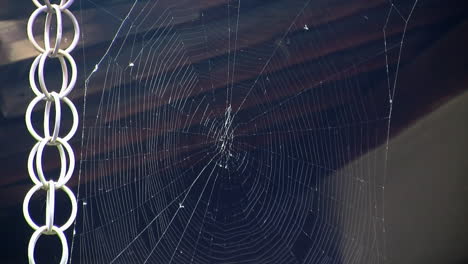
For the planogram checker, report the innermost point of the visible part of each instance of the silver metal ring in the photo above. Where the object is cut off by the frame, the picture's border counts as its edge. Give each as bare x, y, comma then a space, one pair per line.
30, 127
58, 35
32, 72
50, 206
57, 120
35, 237
70, 220
43, 9
65, 90
32, 174
64, 177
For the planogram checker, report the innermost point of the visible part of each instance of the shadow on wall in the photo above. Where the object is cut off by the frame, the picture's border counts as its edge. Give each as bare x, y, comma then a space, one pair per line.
426, 193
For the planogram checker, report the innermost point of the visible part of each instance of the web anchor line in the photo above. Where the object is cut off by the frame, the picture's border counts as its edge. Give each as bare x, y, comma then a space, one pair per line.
51, 138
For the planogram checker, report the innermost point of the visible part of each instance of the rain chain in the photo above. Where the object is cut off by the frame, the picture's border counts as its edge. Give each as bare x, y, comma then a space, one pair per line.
51, 139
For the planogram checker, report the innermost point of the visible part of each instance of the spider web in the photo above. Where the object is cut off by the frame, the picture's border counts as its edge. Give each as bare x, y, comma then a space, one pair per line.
215, 131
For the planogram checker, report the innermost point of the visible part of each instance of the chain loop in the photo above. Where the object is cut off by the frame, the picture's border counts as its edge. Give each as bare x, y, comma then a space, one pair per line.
32, 73
35, 236
66, 89
43, 9
68, 192
41, 179
55, 97
57, 117
58, 38
63, 178
30, 127
50, 207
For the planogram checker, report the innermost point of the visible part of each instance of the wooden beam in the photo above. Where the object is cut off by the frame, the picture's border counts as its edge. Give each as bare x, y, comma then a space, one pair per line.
97, 28
348, 40
14, 100
15, 47
347, 16
129, 138
14, 9
296, 51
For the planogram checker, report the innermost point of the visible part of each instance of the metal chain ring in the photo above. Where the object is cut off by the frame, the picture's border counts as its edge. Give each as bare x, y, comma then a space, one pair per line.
35, 236
29, 124
39, 62
51, 138
49, 214
58, 38
44, 9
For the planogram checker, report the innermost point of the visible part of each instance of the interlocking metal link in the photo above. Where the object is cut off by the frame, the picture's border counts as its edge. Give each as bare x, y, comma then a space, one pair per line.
51, 138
